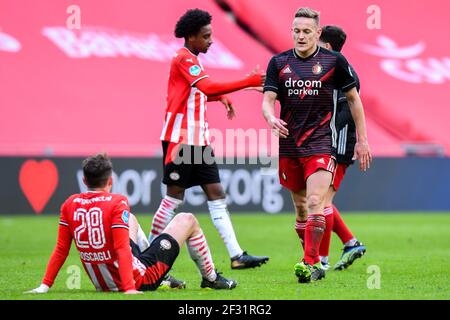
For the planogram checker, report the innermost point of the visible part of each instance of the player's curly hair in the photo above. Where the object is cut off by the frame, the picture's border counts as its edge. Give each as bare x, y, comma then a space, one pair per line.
97, 170
191, 23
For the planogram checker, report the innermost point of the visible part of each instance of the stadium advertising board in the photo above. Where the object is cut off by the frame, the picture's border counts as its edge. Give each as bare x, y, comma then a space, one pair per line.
40, 185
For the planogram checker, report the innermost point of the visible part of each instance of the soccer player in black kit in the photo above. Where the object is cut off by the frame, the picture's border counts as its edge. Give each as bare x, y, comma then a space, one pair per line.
333, 38
306, 80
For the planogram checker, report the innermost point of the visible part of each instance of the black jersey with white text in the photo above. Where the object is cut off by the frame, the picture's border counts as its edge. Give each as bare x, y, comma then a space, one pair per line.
307, 89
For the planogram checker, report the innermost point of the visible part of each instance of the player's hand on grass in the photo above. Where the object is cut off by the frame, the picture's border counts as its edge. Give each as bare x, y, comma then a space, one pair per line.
362, 153
133, 292
278, 127
231, 113
41, 289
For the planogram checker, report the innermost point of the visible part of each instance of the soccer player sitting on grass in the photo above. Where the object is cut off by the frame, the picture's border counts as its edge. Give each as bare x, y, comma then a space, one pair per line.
105, 235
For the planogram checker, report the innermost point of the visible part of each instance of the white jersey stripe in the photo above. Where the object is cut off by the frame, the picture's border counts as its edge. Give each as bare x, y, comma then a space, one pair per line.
166, 124
191, 116
341, 136
92, 275
333, 120
119, 226
107, 277
343, 140
177, 128
201, 131
344, 150
207, 142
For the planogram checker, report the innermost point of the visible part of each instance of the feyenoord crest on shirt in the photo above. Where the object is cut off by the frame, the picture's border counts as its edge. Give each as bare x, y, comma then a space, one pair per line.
317, 68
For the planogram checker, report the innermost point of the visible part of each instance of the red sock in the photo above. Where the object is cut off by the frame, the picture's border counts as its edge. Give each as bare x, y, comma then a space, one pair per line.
326, 239
315, 226
340, 227
300, 227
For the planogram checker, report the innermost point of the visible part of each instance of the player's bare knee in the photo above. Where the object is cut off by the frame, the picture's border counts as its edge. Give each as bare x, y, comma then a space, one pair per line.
188, 219
301, 205
301, 209
314, 201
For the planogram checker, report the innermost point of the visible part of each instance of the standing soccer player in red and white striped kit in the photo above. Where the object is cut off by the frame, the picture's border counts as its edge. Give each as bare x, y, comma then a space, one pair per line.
188, 156
105, 235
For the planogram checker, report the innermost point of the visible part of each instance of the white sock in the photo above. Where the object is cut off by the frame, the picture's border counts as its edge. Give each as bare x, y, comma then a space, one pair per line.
351, 242
199, 252
141, 239
221, 220
162, 217
324, 259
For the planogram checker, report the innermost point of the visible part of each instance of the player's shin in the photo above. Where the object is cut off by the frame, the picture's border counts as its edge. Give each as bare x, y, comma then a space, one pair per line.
326, 239
300, 227
221, 220
162, 217
199, 251
340, 228
315, 227
141, 239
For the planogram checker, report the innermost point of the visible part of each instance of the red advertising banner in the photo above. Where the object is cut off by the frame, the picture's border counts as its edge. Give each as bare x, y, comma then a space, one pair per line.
70, 91
398, 50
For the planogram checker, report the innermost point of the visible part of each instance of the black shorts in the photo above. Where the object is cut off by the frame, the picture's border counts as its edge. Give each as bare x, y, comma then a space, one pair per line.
164, 249
193, 166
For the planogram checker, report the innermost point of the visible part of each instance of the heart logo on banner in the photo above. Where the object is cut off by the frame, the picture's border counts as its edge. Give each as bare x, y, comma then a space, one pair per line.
38, 181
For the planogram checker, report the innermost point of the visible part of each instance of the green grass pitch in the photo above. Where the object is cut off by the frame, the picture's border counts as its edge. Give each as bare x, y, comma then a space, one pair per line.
411, 252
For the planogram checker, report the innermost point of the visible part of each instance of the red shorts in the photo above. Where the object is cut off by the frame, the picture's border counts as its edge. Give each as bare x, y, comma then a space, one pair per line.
339, 175
294, 172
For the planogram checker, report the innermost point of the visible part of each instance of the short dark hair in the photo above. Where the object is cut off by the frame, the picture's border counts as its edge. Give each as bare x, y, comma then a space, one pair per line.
97, 170
335, 36
191, 23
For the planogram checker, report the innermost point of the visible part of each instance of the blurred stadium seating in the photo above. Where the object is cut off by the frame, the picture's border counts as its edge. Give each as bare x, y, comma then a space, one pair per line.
404, 66
73, 92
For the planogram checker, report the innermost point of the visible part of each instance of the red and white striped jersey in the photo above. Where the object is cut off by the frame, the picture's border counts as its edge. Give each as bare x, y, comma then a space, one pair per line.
90, 218
185, 118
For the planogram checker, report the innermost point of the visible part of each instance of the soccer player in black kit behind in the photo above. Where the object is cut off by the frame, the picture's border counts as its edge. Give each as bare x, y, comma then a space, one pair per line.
333, 38
306, 80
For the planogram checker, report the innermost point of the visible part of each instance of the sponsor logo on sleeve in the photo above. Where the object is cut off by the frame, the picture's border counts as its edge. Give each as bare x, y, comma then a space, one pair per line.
195, 70
125, 216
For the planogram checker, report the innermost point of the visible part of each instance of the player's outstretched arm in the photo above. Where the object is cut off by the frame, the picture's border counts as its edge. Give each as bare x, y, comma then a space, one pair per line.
278, 126
210, 88
362, 149
56, 261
